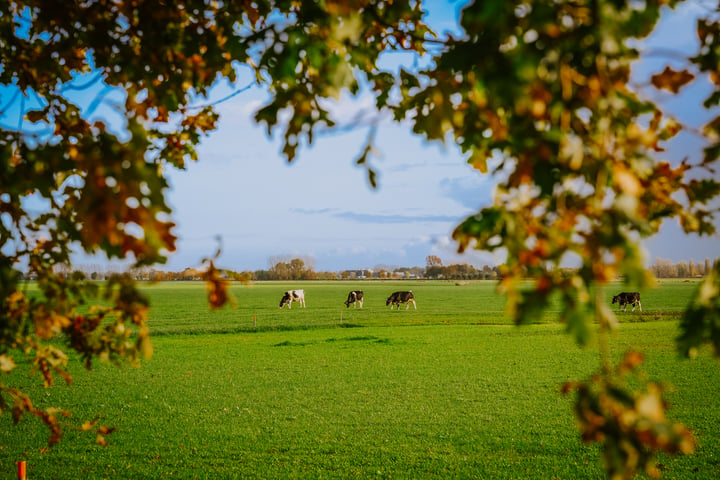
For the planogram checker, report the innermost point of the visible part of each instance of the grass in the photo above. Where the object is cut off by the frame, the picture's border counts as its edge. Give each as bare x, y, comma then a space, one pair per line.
451, 390
180, 307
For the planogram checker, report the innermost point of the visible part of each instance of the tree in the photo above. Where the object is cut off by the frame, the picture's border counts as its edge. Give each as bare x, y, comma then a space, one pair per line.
537, 93
281, 271
383, 273
433, 261
682, 270
434, 267
297, 268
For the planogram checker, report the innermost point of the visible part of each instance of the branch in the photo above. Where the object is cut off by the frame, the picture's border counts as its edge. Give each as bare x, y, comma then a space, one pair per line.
665, 53
71, 86
10, 102
98, 99
222, 100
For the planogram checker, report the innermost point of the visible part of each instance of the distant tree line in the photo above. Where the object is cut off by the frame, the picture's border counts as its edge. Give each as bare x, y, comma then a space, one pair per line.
293, 269
288, 269
436, 270
667, 269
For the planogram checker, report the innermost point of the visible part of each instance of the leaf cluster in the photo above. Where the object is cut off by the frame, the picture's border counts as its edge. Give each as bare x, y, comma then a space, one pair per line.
37, 325
626, 413
701, 322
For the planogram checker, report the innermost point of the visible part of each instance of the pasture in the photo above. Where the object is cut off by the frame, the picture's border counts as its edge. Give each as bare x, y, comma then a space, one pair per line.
450, 390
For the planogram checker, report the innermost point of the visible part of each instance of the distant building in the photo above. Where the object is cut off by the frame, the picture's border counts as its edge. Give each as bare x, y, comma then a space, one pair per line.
359, 274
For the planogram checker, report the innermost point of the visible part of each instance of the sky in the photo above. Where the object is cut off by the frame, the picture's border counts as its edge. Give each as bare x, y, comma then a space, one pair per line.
321, 207
243, 196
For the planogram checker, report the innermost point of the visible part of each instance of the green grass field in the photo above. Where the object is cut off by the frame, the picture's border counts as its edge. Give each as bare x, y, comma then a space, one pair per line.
450, 390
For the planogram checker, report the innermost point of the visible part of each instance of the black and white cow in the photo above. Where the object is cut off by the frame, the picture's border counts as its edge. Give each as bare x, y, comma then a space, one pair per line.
354, 297
401, 297
625, 298
293, 296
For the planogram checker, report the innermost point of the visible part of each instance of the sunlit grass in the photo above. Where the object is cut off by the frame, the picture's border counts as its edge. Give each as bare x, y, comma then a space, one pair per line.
406, 394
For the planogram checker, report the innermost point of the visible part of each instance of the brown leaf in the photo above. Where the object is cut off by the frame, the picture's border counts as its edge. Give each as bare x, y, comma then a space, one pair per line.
217, 286
672, 80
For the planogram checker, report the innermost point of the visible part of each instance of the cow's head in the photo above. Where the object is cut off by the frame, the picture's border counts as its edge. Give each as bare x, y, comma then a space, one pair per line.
387, 302
286, 299
616, 299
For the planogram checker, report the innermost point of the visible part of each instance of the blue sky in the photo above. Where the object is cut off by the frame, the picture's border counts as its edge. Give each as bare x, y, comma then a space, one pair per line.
321, 206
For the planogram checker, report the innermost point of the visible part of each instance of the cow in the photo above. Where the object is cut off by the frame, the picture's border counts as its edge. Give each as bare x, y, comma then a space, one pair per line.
354, 297
293, 296
401, 297
625, 298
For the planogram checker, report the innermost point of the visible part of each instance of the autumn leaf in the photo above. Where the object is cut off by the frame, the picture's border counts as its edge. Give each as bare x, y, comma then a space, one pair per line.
102, 432
217, 287
672, 80
89, 425
627, 180
478, 160
629, 421
7, 364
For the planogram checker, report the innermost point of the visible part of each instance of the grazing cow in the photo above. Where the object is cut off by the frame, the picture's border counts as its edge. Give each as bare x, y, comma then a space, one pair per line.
401, 297
293, 296
354, 297
625, 298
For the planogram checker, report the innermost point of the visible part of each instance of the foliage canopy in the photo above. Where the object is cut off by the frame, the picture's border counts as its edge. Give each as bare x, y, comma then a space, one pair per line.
535, 92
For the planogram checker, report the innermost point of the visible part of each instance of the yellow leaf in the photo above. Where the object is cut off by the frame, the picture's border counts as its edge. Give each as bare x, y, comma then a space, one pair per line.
572, 150
89, 425
146, 348
478, 160
348, 28
627, 181
7, 364
650, 405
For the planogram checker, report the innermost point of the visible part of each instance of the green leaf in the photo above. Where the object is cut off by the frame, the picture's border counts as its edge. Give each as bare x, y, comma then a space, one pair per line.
701, 321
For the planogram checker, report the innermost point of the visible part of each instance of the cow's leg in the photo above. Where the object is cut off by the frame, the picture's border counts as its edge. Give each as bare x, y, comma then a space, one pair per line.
414, 304
639, 305
361, 302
